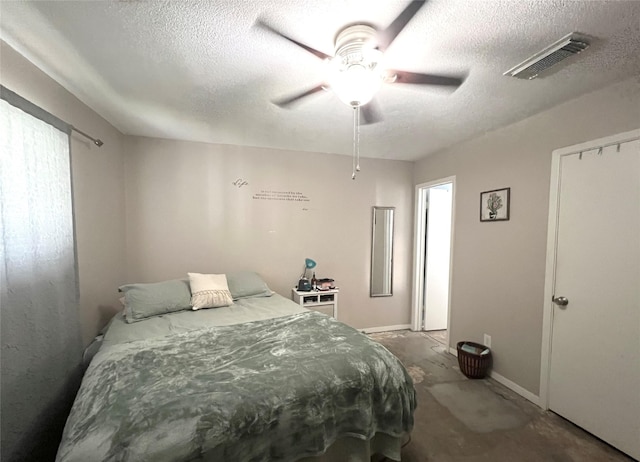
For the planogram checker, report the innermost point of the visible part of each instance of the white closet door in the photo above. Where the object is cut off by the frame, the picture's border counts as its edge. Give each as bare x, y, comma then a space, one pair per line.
436, 298
595, 349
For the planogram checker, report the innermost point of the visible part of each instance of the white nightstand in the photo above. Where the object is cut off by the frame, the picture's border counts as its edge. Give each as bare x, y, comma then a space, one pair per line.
324, 301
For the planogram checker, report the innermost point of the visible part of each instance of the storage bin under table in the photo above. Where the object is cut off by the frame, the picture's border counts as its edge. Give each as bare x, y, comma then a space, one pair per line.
324, 301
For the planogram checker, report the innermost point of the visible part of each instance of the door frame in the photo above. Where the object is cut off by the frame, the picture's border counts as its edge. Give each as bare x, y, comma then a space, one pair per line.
419, 262
552, 236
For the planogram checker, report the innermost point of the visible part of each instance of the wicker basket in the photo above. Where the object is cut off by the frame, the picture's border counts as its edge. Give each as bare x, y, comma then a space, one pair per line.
473, 365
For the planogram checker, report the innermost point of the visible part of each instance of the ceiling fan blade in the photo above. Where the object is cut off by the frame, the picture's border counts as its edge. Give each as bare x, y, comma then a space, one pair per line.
426, 79
289, 101
313, 51
387, 36
371, 113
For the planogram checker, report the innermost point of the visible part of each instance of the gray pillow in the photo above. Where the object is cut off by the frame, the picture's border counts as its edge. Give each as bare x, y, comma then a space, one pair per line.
142, 301
247, 284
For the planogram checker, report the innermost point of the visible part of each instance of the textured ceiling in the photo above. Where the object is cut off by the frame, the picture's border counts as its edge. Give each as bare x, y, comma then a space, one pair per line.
201, 70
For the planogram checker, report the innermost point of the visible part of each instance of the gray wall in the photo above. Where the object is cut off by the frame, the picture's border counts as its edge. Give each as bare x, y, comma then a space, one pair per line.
185, 214
498, 268
37, 413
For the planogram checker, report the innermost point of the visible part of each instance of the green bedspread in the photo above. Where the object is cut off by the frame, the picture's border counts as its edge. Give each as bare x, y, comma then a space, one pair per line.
277, 389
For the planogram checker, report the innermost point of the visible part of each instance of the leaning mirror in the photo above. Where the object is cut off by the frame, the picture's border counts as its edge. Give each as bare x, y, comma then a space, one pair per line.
382, 252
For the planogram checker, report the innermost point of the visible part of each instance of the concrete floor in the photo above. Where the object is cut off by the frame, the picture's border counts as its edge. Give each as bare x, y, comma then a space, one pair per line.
463, 420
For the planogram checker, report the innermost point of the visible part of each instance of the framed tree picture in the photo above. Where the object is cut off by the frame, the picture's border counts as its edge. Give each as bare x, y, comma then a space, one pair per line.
494, 205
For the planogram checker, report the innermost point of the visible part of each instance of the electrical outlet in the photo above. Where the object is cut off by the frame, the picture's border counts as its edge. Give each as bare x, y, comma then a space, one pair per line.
487, 340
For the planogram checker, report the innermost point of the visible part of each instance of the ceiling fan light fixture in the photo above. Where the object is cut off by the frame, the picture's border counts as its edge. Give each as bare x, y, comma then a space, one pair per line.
356, 77
356, 85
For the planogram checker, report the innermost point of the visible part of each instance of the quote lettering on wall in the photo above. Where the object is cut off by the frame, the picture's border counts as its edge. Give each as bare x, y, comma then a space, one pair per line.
288, 196
272, 194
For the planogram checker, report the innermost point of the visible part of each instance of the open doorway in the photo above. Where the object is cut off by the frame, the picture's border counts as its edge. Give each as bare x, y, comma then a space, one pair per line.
432, 252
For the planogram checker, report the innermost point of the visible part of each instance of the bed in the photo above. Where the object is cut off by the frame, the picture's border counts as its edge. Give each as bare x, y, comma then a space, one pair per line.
260, 380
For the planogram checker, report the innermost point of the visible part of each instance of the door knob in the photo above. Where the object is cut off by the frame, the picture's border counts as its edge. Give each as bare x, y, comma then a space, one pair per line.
560, 301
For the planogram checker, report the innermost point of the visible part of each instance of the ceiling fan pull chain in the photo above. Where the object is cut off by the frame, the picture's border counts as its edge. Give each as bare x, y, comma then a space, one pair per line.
357, 138
355, 142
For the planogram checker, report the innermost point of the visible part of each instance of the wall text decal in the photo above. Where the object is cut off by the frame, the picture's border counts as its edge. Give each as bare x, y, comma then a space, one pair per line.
240, 182
288, 196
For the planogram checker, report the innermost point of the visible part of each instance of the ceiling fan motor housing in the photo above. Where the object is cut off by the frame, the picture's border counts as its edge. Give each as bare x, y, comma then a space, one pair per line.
354, 38
356, 75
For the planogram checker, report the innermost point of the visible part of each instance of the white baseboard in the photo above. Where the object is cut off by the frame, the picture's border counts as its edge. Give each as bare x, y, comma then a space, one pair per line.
526, 394
515, 387
373, 330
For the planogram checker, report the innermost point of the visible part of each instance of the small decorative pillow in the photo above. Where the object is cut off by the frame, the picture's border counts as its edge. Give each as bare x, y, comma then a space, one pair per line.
209, 291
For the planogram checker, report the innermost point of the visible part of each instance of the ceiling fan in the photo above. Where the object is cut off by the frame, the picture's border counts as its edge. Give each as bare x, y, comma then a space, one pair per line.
355, 70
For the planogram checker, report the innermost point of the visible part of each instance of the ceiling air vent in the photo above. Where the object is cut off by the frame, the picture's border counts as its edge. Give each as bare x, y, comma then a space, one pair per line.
567, 46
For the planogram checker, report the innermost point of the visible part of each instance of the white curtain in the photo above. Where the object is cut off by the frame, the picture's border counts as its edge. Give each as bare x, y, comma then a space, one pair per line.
41, 345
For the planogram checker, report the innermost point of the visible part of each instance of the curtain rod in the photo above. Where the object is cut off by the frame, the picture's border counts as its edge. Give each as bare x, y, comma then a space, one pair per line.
36, 111
98, 142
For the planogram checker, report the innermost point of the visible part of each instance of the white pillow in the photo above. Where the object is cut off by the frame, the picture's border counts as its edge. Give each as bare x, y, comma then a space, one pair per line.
209, 291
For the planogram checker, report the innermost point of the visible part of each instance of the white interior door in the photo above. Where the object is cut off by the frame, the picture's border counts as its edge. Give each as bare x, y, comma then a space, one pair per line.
438, 254
594, 375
